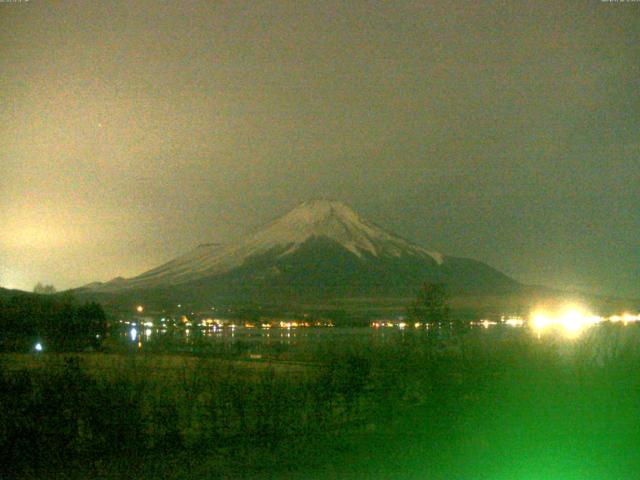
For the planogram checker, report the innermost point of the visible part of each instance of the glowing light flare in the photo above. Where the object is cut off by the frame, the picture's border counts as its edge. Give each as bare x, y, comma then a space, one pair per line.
13, 280
540, 321
514, 322
625, 318
571, 320
38, 347
40, 234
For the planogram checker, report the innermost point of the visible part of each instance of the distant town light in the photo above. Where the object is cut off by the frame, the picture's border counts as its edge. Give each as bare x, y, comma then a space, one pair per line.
133, 333
139, 309
514, 322
38, 347
571, 320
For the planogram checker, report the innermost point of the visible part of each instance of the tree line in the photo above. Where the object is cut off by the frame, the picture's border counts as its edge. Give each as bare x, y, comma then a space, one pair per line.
57, 323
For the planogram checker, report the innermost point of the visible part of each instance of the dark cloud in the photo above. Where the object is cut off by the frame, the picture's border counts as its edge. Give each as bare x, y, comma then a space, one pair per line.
503, 131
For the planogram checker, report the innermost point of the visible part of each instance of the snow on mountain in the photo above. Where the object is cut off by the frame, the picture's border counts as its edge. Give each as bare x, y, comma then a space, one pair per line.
316, 219
335, 221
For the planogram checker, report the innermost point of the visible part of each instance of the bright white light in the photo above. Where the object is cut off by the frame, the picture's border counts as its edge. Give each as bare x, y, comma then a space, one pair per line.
147, 332
133, 333
571, 320
514, 322
38, 347
624, 318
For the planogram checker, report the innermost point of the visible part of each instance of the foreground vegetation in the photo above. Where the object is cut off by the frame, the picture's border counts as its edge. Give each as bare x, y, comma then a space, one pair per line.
507, 405
59, 322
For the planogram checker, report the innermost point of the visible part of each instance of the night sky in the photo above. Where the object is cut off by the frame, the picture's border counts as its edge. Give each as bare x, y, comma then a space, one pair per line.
503, 131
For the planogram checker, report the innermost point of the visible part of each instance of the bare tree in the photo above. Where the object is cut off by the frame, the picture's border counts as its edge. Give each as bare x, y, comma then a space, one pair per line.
431, 305
44, 289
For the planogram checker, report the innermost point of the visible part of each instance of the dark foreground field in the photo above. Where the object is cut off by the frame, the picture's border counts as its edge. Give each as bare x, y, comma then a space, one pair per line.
476, 406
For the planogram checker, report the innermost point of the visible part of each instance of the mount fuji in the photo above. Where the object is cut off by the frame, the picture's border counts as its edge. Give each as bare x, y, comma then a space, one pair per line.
320, 249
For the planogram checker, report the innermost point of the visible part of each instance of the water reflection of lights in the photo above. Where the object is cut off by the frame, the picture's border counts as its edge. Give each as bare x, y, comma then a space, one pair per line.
133, 333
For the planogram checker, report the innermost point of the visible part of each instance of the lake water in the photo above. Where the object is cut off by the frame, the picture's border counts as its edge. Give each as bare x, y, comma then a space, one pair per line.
311, 344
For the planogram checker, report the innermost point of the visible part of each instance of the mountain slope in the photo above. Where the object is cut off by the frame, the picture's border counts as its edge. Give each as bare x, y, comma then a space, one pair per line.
320, 248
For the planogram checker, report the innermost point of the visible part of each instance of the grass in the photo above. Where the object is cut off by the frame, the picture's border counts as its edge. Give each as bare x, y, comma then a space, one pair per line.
474, 407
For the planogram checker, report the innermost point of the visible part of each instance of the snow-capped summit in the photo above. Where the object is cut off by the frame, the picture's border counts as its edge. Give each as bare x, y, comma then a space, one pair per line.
337, 222
319, 244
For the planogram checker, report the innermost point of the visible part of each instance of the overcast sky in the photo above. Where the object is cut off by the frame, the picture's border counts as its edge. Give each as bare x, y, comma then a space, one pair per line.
503, 131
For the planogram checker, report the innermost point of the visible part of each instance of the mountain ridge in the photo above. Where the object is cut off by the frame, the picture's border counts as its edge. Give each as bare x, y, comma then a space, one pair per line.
320, 247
